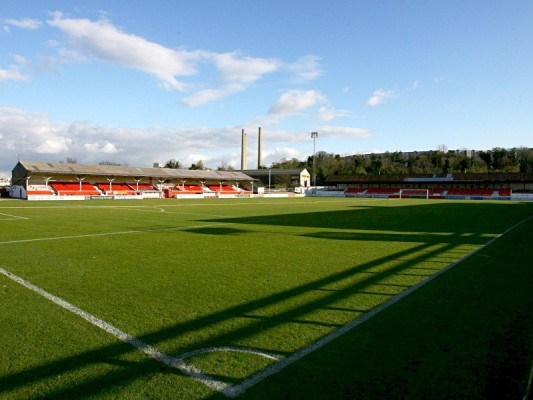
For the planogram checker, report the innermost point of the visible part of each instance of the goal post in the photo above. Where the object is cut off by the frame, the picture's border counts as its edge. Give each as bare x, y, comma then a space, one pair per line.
414, 193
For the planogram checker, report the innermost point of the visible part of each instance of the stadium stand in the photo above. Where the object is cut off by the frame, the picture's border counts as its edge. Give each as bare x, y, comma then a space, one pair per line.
505, 192
119, 188
73, 189
142, 186
354, 191
190, 189
433, 193
34, 190
224, 189
384, 191
437, 193
470, 192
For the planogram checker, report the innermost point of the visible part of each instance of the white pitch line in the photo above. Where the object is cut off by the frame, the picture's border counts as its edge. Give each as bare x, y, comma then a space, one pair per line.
233, 391
11, 217
249, 350
176, 229
162, 210
206, 204
122, 336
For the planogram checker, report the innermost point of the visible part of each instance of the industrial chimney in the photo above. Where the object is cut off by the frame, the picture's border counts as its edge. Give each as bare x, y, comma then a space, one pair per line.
259, 149
243, 151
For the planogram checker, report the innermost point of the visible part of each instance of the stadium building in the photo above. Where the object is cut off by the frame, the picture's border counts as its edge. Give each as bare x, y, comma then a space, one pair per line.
66, 181
268, 177
475, 186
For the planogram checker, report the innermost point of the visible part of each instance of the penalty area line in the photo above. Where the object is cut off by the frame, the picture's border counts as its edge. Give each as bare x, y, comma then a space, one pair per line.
147, 349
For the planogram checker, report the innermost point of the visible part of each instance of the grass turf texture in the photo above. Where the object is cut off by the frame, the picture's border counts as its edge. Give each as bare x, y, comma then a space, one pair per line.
274, 275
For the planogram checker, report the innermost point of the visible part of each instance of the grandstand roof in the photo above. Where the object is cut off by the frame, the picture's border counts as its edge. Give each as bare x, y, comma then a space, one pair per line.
274, 171
125, 171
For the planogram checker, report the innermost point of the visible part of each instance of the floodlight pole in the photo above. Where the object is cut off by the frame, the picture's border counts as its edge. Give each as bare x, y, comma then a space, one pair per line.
314, 135
269, 178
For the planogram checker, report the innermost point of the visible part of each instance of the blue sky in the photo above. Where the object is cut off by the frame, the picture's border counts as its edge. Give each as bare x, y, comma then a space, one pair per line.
146, 81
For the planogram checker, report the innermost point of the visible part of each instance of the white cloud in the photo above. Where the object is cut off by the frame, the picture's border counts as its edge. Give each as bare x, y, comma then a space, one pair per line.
379, 96
106, 148
305, 69
12, 74
344, 132
236, 68
24, 23
295, 101
280, 153
237, 72
103, 41
208, 95
55, 145
35, 137
31, 133
443, 78
328, 113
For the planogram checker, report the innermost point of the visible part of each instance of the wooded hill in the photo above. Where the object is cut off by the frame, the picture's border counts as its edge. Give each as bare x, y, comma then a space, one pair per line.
440, 162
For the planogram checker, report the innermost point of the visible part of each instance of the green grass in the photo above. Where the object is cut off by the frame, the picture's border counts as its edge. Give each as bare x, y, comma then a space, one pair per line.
274, 275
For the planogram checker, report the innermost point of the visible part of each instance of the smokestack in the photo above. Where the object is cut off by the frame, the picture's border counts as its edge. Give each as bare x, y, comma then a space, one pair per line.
243, 151
259, 149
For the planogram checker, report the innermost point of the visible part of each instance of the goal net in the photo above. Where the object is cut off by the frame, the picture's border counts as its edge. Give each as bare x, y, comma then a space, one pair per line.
414, 193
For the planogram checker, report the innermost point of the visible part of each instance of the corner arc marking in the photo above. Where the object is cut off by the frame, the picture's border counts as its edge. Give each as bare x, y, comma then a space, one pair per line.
249, 350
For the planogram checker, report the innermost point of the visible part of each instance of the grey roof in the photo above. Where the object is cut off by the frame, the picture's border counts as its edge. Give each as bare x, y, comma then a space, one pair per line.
273, 171
112, 170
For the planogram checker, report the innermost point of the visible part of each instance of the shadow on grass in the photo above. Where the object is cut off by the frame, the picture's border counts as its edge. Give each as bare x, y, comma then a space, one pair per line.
398, 263
216, 231
467, 334
441, 217
402, 237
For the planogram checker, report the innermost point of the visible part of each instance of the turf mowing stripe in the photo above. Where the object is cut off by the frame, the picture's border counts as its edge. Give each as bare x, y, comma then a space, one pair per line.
124, 337
233, 391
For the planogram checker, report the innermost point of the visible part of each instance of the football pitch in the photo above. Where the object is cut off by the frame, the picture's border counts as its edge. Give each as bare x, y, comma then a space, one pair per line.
266, 298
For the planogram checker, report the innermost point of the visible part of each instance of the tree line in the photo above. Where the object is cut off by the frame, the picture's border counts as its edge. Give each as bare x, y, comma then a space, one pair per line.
440, 162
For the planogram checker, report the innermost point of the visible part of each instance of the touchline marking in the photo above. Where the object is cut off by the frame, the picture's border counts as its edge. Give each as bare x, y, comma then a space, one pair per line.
233, 391
150, 351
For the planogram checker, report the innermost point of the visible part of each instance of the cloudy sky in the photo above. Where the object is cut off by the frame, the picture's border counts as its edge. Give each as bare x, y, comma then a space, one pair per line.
146, 81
